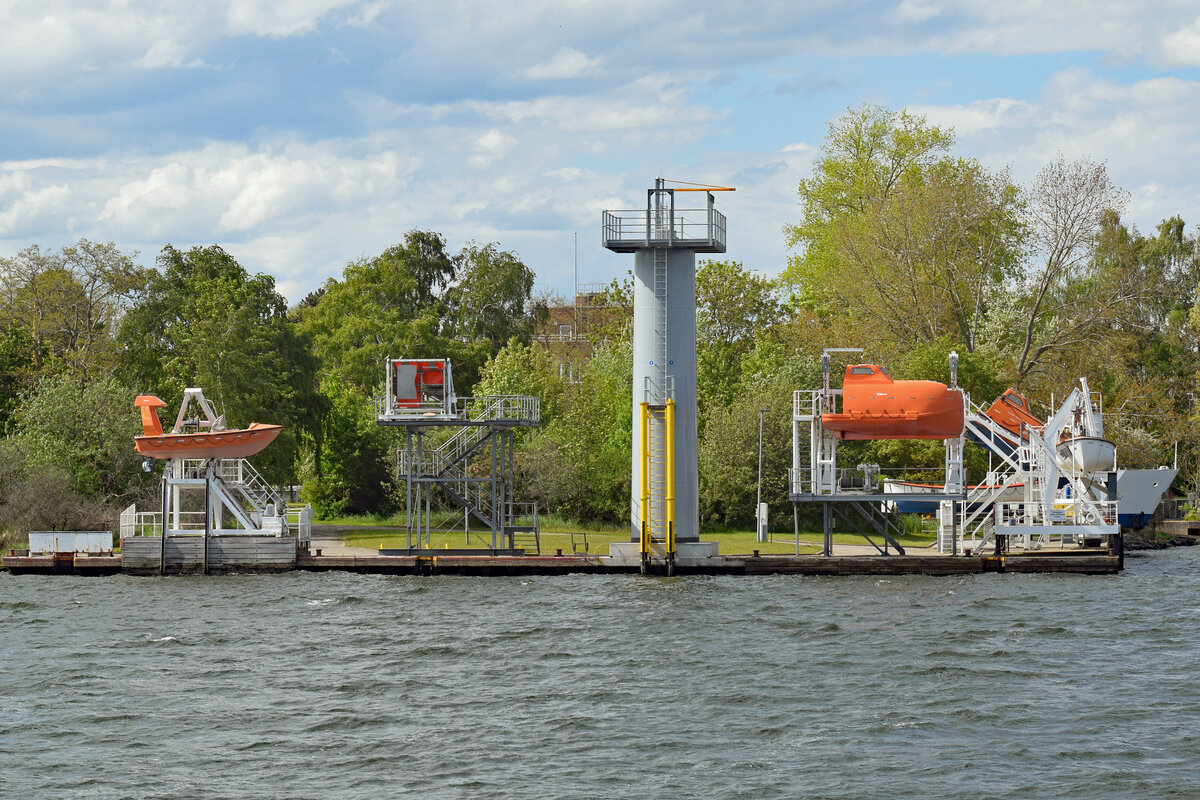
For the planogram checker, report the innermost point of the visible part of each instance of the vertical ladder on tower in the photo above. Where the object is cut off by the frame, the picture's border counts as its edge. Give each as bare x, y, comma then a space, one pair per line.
660, 319
658, 485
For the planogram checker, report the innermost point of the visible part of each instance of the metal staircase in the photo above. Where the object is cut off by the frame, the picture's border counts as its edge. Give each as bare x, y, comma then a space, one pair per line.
486, 498
887, 524
243, 482
244, 479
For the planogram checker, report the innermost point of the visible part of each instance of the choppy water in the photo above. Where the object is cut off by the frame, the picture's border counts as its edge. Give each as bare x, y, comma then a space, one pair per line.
347, 686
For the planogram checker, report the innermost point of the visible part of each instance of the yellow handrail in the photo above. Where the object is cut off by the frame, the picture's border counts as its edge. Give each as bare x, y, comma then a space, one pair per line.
645, 462
669, 424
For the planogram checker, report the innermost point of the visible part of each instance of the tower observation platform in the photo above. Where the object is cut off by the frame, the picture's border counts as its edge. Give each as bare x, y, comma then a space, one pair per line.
661, 224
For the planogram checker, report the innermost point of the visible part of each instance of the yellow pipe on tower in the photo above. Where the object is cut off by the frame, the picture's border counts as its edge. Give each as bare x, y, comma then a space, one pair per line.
645, 462
669, 424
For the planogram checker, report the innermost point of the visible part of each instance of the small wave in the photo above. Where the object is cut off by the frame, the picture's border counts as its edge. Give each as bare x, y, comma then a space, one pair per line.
17, 605
165, 639
324, 602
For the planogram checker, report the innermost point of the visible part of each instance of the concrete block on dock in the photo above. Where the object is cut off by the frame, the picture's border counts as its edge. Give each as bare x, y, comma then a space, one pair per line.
687, 554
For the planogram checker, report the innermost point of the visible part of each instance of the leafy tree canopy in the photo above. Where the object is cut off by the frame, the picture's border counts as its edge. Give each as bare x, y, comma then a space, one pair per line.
207, 322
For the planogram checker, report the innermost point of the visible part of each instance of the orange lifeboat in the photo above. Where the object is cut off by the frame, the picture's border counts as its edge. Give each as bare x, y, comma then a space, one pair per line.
239, 443
1011, 412
874, 406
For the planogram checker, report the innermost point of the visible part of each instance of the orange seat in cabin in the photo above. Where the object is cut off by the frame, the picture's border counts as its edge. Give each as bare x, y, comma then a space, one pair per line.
416, 383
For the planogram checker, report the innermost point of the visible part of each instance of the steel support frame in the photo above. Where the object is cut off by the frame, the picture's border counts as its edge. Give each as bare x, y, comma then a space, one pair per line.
499, 486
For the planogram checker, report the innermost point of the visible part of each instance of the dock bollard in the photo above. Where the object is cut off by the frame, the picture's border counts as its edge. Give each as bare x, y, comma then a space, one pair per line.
558, 552
756, 554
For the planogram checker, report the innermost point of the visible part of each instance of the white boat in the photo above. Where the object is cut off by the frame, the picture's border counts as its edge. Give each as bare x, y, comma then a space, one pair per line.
1139, 491
1087, 454
908, 494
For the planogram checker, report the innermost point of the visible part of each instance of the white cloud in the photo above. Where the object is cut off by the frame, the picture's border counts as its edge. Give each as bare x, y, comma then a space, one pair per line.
1182, 46
567, 63
231, 190
978, 116
279, 19
1150, 147
491, 146
167, 53
919, 10
34, 206
93, 34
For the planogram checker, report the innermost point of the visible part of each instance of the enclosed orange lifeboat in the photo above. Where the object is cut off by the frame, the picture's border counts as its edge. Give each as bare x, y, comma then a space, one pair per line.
874, 406
1011, 411
223, 443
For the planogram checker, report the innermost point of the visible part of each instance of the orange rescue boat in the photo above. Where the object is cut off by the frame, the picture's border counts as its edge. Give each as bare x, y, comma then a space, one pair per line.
217, 442
874, 406
1011, 412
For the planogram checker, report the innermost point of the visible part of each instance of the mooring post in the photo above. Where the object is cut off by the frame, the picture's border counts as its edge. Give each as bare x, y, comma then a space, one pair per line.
1116, 542
208, 479
408, 454
953, 528
796, 524
827, 530
492, 489
162, 553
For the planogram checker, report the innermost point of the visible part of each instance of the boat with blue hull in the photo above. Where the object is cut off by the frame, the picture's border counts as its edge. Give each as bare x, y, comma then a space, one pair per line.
1139, 492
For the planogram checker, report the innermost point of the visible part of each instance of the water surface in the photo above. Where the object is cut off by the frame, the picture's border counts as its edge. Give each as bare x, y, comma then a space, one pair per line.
347, 686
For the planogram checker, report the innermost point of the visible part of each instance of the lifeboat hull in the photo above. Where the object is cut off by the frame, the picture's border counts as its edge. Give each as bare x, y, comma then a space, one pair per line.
1087, 454
907, 503
240, 443
874, 406
943, 424
1011, 412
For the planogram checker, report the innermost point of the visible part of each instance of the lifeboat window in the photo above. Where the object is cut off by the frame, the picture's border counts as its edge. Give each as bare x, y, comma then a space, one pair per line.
861, 371
883, 371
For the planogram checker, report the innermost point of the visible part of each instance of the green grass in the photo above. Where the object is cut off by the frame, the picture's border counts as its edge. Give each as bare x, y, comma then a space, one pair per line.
372, 520
576, 536
597, 542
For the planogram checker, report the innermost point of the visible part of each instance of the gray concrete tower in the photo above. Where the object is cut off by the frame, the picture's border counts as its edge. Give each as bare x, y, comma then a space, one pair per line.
664, 239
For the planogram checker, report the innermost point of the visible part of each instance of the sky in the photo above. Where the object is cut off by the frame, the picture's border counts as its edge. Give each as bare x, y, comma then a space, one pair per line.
305, 135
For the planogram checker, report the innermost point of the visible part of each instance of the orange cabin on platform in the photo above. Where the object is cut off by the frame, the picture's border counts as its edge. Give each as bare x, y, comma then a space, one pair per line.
420, 383
875, 406
1011, 411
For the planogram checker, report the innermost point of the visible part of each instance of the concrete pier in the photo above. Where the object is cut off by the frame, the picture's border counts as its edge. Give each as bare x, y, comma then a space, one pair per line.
1084, 562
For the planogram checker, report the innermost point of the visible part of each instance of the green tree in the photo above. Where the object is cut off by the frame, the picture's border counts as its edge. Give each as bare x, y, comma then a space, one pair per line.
345, 465
733, 306
388, 306
866, 154
901, 241
524, 369
69, 304
578, 463
728, 447
206, 322
1065, 299
85, 429
490, 301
